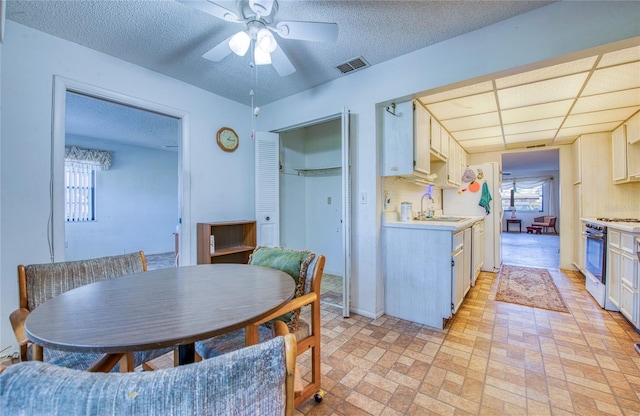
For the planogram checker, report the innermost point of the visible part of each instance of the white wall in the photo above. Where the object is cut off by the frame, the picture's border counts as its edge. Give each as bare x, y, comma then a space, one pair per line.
568, 27
136, 203
30, 60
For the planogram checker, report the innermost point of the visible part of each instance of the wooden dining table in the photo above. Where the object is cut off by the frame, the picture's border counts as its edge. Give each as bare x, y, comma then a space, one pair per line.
172, 307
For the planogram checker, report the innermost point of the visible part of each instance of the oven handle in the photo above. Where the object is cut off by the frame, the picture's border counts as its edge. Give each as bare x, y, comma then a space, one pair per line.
595, 236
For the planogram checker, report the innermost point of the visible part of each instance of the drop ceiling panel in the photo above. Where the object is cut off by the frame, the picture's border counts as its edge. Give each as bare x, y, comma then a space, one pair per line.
615, 78
472, 122
458, 92
478, 133
592, 128
495, 143
536, 136
542, 92
599, 117
465, 106
555, 71
619, 57
533, 126
536, 112
564, 140
618, 99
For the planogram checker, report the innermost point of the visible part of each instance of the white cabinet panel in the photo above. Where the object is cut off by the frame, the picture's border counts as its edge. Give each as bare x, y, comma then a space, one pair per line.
629, 304
619, 153
614, 284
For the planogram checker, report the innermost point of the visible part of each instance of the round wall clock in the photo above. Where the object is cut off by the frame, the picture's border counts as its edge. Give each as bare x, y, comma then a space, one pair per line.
227, 139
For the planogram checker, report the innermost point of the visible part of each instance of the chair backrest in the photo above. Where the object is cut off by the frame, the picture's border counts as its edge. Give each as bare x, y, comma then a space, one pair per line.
256, 380
38, 283
550, 220
293, 262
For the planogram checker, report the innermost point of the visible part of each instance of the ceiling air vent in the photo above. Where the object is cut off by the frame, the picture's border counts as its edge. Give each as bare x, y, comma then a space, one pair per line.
352, 65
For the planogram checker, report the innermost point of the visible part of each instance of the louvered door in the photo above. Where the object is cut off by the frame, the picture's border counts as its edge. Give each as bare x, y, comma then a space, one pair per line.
267, 189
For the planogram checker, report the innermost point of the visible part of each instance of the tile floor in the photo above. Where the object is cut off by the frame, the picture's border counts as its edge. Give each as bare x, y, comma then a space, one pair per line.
493, 358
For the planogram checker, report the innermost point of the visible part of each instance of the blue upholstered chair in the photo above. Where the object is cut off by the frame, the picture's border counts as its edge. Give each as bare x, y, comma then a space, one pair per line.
306, 269
38, 283
252, 381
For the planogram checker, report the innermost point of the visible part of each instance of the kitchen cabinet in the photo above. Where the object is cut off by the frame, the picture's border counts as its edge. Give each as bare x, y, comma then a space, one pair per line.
424, 272
622, 274
625, 151
406, 141
232, 242
576, 152
450, 171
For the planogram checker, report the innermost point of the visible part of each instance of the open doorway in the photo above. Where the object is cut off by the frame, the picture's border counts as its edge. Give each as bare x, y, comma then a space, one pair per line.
139, 199
530, 195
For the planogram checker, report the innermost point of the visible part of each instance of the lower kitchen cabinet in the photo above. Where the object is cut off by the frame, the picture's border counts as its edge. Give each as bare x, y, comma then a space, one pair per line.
622, 274
425, 273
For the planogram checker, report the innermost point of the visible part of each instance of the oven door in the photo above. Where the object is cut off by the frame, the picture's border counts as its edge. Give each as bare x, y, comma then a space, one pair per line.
595, 255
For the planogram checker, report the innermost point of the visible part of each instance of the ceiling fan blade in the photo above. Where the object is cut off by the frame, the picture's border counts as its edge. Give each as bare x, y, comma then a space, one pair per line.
281, 63
212, 9
219, 51
313, 31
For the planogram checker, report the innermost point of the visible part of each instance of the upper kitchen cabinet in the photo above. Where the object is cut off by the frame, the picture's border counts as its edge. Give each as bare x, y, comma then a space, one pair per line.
576, 152
450, 171
625, 147
406, 141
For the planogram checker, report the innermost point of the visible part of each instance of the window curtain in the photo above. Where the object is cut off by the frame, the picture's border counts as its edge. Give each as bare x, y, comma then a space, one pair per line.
98, 159
528, 183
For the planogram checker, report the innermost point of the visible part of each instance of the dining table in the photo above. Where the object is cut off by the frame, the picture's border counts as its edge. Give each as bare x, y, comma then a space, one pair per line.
173, 307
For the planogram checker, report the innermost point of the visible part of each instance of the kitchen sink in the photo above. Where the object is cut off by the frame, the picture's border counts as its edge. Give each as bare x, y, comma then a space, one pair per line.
444, 219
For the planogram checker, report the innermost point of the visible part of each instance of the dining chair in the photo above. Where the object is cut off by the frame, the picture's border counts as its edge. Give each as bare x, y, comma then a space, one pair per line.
38, 283
545, 222
252, 381
306, 268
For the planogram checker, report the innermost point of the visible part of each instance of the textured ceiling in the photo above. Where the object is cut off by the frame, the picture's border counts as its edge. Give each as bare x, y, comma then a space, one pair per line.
170, 37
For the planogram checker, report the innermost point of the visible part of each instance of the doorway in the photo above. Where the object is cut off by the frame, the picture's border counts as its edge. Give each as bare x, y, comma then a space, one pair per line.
534, 178
162, 217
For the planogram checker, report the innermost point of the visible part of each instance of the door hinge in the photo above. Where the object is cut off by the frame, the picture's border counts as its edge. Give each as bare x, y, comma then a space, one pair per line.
453, 263
451, 306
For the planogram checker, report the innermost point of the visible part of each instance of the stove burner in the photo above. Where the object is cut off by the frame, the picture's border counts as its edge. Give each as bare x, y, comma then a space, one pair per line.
619, 219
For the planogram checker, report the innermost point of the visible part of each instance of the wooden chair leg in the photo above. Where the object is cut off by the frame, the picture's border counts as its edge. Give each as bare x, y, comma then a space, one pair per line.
126, 363
38, 353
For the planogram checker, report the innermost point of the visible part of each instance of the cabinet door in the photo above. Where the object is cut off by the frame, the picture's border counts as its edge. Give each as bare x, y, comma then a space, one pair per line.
435, 136
422, 142
457, 279
629, 303
397, 140
613, 276
445, 142
633, 129
628, 270
619, 153
467, 261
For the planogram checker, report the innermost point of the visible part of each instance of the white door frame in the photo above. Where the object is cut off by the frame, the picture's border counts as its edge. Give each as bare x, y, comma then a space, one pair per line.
56, 220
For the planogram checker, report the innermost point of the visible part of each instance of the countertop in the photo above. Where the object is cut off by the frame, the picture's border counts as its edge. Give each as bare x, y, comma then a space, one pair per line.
390, 219
629, 227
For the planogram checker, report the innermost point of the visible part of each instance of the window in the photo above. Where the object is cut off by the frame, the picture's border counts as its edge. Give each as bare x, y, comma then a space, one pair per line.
524, 199
80, 191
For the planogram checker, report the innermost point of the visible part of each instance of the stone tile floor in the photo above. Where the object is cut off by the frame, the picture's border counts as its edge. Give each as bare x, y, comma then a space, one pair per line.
492, 358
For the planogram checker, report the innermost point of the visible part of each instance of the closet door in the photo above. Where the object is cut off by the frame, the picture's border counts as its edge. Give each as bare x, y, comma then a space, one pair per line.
346, 212
267, 189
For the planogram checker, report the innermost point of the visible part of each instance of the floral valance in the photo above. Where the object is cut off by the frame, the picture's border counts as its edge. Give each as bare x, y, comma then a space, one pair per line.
100, 159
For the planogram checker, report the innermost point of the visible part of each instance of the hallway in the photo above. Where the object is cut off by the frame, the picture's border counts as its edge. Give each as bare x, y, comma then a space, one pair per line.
533, 250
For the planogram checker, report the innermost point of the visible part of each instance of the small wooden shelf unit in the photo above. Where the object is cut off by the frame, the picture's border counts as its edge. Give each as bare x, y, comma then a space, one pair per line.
234, 241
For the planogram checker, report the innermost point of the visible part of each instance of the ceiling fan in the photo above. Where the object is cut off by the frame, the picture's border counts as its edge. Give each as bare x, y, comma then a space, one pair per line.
257, 36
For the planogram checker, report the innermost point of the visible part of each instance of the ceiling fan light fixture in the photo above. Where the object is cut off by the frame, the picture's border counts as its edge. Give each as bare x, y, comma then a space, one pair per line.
239, 43
266, 41
261, 57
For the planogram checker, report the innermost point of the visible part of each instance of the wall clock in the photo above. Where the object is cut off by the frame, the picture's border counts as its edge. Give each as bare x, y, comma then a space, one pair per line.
227, 139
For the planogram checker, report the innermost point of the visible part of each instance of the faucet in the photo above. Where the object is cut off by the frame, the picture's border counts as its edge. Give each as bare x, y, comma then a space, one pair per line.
430, 213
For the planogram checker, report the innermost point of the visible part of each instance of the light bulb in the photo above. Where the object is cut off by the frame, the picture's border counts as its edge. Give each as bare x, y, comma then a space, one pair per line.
261, 57
266, 41
239, 43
